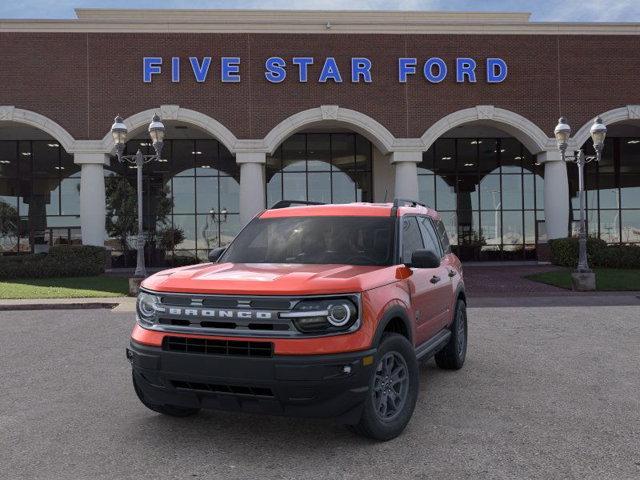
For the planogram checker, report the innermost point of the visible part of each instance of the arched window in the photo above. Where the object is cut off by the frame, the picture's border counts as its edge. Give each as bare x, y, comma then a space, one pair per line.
489, 194
39, 194
321, 167
191, 202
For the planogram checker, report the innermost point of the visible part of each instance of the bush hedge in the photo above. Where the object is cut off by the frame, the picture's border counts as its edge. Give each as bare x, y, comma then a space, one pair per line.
61, 261
564, 252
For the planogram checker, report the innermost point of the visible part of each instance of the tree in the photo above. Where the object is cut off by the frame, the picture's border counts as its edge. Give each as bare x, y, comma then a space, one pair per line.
122, 210
9, 223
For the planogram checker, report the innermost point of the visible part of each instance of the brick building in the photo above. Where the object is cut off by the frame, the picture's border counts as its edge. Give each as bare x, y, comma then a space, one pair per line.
454, 109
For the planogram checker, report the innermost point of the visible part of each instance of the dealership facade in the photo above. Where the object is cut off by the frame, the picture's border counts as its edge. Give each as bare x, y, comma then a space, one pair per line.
456, 110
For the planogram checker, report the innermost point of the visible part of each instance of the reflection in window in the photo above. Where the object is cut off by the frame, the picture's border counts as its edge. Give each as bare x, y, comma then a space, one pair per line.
39, 196
612, 192
190, 202
320, 167
489, 193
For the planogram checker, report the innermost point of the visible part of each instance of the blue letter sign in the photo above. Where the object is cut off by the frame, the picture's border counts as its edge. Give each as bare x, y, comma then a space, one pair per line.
434, 69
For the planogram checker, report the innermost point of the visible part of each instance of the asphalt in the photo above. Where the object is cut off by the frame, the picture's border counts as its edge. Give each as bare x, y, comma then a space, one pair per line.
547, 393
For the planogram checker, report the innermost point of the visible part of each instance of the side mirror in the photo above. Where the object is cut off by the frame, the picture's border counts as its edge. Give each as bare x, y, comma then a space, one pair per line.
216, 253
424, 259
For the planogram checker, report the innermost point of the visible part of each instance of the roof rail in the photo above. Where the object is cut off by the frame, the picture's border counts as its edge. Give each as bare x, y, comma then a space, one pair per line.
401, 202
289, 203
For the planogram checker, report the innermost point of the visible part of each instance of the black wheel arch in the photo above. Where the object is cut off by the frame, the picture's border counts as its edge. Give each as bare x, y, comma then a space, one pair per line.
399, 316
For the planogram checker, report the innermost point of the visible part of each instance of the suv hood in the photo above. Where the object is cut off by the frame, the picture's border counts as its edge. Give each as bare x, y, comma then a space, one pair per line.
270, 279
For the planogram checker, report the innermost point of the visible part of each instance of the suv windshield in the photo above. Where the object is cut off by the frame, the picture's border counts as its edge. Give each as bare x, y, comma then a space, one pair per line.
342, 240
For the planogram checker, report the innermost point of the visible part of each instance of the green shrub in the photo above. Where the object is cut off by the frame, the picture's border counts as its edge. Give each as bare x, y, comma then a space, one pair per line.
620, 256
61, 261
564, 252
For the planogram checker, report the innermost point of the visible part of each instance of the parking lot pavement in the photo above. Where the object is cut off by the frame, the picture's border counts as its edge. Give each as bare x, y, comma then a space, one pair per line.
546, 393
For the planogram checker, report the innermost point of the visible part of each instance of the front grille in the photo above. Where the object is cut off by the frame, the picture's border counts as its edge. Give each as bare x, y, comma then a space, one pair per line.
207, 346
229, 389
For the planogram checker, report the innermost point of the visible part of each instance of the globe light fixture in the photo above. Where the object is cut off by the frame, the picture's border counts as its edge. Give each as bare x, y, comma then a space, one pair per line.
598, 134
583, 278
156, 132
562, 133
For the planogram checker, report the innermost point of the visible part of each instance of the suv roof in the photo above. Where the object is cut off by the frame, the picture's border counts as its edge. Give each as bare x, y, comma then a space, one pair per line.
358, 209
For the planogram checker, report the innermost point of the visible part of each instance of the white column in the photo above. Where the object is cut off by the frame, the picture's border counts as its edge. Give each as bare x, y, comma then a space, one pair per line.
406, 169
92, 197
252, 187
556, 194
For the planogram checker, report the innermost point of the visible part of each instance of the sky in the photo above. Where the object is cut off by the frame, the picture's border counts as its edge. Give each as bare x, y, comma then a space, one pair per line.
542, 10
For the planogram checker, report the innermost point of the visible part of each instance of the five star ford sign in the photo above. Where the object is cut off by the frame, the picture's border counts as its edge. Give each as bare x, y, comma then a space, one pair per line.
361, 69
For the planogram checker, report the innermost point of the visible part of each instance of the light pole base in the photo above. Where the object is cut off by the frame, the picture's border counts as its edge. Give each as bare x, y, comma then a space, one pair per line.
583, 281
134, 285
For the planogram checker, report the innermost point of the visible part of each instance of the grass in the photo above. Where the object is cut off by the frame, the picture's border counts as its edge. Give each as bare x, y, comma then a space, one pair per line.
73, 287
607, 279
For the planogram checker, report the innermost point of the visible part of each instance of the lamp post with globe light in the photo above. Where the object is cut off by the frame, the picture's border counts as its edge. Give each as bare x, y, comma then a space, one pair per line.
583, 278
156, 132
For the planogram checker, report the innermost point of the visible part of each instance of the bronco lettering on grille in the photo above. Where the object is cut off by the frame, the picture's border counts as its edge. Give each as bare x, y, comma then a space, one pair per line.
202, 312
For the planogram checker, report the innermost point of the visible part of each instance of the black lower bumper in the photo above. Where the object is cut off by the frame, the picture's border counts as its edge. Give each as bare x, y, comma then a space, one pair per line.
320, 386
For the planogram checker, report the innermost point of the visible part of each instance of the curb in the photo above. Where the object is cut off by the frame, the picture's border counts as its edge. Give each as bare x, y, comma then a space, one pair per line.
57, 306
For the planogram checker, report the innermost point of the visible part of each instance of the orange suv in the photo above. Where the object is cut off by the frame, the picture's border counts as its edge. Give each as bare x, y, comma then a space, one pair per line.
313, 310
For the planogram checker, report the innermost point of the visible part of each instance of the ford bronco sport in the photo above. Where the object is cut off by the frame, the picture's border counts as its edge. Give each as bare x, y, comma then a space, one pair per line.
313, 310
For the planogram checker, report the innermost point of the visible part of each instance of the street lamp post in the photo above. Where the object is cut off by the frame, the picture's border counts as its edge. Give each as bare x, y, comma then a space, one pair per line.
583, 278
156, 132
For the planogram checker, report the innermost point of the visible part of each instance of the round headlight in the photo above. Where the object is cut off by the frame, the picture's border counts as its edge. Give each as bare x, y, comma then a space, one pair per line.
339, 314
147, 305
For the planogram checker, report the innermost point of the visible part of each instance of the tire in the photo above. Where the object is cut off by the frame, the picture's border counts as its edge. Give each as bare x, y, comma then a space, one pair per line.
385, 415
452, 356
170, 410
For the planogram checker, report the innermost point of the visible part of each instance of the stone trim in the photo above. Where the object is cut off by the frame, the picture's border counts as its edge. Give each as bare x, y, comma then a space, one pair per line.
617, 115
175, 112
516, 125
9, 113
382, 138
328, 22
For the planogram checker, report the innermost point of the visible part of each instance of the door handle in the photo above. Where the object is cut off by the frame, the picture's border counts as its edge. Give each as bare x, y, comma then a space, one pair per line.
434, 279
452, 273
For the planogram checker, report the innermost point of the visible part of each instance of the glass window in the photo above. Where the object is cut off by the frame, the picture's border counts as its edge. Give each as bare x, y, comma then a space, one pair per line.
429, 236
274, 189
320, 187
8, 159
411, 238
512, 228
512, 192
444, 238
294, 153
629, 155
207, 194
445, 156
321, 167
183, 157
445, 194
467, 154
630, 226
488, 155
316, 240
343, 187
318, 152
426, 189
343, 151
610, 226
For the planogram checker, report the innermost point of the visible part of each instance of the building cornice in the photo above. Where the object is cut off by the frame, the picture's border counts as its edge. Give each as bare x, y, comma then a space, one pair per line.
312, 22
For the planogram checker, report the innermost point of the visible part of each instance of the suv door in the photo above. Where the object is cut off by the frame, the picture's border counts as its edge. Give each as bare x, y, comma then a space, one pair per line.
442, 294
421, 289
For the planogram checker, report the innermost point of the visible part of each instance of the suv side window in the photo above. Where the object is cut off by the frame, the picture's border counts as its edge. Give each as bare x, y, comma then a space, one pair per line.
411, 238
442, 234
429, 235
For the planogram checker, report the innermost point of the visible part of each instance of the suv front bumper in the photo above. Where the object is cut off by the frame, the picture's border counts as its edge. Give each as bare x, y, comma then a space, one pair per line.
320, 386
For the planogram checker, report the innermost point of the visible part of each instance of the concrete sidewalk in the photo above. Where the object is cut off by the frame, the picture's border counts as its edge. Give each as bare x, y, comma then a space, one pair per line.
115, 303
